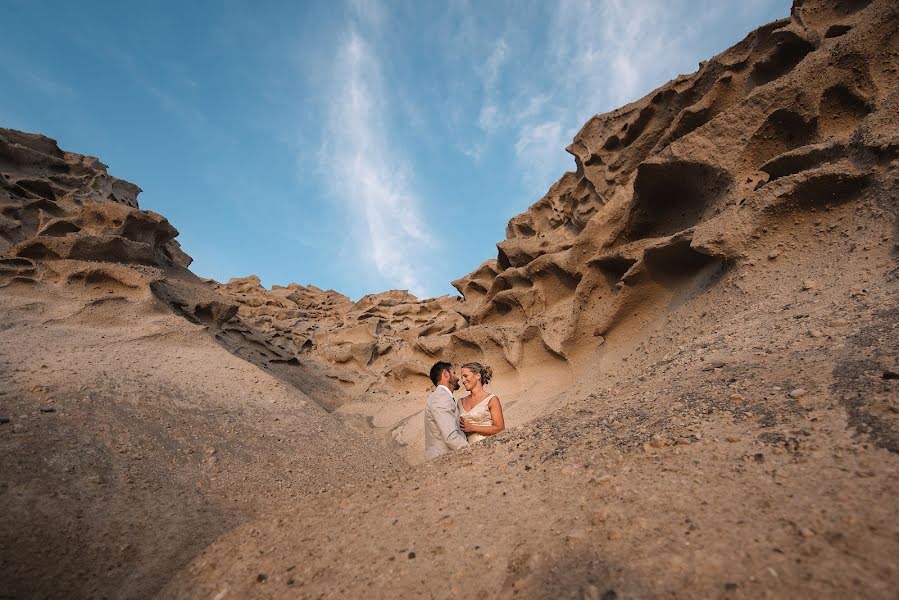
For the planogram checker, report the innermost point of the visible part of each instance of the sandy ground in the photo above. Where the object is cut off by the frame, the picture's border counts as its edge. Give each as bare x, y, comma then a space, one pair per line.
134, 440
750, 456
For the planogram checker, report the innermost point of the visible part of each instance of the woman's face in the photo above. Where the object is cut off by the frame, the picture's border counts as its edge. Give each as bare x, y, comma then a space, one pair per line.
469, 379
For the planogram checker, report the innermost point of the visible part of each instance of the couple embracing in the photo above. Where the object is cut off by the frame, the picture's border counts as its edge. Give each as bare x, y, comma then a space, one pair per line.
452, 424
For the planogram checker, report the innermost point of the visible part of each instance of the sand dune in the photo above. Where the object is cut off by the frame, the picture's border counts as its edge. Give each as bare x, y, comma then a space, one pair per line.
694, 335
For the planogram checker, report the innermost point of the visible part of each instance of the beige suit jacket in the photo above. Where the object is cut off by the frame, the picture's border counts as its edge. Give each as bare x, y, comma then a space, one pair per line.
442, 432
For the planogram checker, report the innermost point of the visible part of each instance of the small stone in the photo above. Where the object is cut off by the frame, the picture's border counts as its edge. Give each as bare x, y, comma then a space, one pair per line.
732, 439
806, 532
614, 535
411, 555
797, 393
209, 450
604, 479
261, 578
47, 409
600, 516
658, 441
815, 333
696, 436
19, 428
730, 586
839, 322
773, 254
715, 364
736, 397
809, 284
591, 592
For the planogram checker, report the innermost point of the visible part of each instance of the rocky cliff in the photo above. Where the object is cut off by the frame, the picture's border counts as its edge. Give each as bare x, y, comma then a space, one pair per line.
704, 177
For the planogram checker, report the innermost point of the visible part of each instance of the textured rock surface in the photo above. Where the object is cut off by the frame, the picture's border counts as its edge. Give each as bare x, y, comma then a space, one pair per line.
693, 335
131, 439
671, 193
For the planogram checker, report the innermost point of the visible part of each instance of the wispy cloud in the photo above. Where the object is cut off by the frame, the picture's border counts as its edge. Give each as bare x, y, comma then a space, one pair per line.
600, 54
491, 70
31, 75
538, 148
374, 181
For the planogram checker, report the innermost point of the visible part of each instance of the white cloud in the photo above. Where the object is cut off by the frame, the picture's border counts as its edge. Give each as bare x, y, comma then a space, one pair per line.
31, 75
368, 11
539, 150
373, 182
489, 118
493, 64
600, 54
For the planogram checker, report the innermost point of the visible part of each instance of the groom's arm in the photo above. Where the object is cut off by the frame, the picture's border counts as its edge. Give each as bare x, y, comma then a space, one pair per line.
445, 415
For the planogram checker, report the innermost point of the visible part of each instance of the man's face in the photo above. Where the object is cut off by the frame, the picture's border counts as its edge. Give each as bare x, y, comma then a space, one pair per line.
453, 383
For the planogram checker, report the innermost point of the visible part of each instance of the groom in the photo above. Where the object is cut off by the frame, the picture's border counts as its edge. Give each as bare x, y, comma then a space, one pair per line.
442, 432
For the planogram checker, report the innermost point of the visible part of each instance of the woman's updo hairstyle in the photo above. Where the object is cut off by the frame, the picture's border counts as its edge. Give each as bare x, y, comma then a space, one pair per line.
483, 370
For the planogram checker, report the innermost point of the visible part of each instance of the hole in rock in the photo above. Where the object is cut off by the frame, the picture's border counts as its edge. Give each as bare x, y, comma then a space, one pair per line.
783, 59
633, 132
689, 121
292, 361
24, 280
848, 7
673, 196
38, 188
476, 287
555, 283
503, 308
524, 230
677, 262
782, 131
99, 277
43, 204
837, 30
613, 269
826, 189
800, 160
16, 262
60, 228
503, 260
841, 110
37, 250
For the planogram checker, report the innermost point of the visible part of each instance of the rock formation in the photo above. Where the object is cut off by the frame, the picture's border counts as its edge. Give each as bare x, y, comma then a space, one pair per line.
693, 335
130, 437
670, 192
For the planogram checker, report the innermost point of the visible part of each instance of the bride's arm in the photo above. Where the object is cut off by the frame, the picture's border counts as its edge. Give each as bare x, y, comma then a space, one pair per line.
496, 415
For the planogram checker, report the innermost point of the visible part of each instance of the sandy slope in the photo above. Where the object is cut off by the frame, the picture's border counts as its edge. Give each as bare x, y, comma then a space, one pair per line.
683, 468
135, 440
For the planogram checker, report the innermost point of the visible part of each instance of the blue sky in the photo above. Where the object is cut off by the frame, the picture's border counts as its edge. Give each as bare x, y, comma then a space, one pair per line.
359, 145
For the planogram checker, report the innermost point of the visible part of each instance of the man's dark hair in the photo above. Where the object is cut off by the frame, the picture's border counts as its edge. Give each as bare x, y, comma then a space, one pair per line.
438, 369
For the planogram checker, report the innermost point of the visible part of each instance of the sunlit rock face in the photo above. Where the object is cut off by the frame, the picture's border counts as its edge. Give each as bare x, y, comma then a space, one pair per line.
670, 194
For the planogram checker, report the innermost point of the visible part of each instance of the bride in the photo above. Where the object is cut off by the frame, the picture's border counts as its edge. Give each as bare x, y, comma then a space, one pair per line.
480, 411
